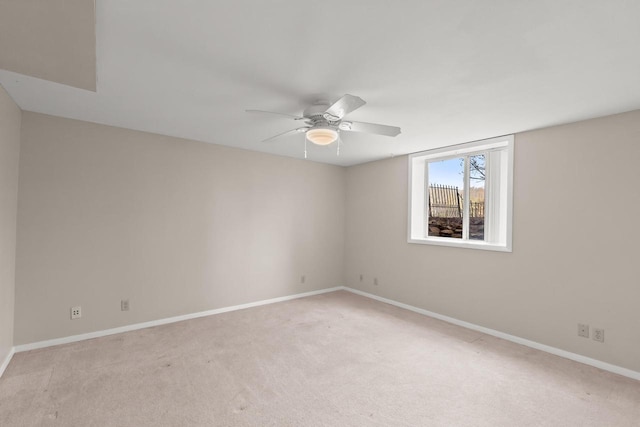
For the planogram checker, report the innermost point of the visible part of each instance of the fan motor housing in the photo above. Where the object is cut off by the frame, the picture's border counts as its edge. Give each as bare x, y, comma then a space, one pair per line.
316, 111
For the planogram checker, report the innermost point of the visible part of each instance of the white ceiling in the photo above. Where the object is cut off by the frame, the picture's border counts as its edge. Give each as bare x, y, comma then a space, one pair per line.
444, 71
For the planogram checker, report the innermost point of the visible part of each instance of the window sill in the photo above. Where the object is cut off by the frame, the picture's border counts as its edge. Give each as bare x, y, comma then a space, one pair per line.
467, 244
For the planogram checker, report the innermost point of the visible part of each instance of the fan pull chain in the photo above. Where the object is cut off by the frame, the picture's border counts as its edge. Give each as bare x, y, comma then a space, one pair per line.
339, 141
305, 147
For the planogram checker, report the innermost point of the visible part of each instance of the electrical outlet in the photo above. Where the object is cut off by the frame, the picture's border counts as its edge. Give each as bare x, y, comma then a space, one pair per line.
598, 334
583, 330
375, 281
124, 305
303, 278
76, 312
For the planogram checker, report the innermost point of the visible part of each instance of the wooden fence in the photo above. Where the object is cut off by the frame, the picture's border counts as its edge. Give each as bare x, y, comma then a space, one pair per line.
445, 201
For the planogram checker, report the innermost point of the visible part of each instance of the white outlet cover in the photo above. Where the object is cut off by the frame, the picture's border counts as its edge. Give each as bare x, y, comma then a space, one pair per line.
598, 335
76, 312
583, 330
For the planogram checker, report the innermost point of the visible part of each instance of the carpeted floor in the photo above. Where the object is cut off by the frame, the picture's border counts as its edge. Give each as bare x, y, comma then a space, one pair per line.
335, 359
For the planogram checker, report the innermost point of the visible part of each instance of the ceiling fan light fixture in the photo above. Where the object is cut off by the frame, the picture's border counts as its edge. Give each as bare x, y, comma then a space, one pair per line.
322, 135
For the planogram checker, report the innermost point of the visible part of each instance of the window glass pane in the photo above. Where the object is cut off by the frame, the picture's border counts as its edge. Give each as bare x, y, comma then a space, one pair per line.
445, 188
476, 196
475, 210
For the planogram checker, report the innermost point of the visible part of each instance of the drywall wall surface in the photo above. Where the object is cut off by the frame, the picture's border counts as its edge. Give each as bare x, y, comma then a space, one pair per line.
174, 226
51, 40
10, 116
575, 237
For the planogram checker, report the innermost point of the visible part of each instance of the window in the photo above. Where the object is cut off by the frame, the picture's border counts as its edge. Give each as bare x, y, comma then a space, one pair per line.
462, 195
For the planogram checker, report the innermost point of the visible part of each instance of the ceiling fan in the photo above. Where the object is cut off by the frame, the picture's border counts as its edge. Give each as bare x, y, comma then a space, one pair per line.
323, 122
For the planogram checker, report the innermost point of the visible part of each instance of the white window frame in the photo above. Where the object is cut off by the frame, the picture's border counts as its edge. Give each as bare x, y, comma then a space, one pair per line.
499, 209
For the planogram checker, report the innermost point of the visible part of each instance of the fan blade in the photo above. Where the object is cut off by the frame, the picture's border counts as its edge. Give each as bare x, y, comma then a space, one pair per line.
277, 114
370, 128
343, 106
285, 133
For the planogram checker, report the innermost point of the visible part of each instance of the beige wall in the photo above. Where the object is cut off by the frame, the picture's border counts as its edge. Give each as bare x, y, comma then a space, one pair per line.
175, 226
51, 40
179, 226
10, 116
575, 237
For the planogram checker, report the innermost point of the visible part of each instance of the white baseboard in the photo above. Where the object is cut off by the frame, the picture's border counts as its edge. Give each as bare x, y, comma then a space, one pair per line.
136, 326
553, 350
6, 361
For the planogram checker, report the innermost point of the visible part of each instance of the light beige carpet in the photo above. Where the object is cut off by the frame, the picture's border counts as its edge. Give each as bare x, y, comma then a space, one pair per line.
336, 359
